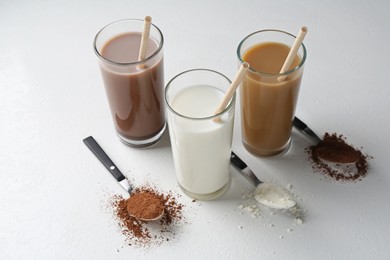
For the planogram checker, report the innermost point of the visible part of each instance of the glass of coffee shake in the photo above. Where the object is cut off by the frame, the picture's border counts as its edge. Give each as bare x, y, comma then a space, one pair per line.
134, 88
269, 98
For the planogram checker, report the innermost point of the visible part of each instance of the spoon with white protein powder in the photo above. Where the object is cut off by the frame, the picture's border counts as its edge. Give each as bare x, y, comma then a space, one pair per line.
268, 194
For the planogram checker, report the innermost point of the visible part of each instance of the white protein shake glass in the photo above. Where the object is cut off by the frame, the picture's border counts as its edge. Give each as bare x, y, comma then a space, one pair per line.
201, 141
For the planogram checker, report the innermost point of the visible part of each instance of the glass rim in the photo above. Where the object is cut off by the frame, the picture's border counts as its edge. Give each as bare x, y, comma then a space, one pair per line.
303, 59
227, 108
97, 52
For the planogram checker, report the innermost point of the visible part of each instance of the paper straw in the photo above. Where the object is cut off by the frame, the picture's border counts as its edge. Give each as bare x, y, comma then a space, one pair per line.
145, 38
293, 52
232, 88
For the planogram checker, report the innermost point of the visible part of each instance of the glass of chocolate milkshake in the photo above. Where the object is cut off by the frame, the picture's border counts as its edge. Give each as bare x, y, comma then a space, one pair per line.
134, 88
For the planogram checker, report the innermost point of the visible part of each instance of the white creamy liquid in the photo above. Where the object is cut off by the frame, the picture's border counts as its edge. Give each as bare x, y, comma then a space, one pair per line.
201, 147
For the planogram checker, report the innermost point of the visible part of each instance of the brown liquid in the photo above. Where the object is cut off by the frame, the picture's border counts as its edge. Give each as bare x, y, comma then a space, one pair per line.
135, 94
267, 104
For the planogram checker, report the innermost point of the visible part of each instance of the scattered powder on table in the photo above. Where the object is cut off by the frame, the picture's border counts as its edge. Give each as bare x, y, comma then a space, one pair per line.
336, 151
256, 210
143, 234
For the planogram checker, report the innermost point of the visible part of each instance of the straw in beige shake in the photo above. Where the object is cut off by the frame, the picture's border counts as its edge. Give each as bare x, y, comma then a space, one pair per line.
293, 52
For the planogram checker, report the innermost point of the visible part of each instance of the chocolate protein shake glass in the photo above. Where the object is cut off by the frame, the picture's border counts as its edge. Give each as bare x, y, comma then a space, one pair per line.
268, 97
134, 88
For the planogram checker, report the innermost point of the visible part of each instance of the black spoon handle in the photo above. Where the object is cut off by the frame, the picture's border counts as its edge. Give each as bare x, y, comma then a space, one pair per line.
244, 169
302, 127
103, 157
237, 161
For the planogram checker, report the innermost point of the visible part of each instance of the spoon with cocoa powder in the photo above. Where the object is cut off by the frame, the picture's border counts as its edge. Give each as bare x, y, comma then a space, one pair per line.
145, 206
331, 148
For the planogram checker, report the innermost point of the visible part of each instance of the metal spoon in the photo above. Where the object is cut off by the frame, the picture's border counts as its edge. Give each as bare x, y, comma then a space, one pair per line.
91, 143
268, 194
303, 128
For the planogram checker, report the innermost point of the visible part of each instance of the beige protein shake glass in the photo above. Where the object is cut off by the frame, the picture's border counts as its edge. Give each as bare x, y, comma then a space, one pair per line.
135, 89
200, 139
269, 98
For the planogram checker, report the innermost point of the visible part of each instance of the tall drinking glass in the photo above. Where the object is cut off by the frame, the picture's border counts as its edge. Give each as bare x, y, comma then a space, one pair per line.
201, 141
135, 89
269, 98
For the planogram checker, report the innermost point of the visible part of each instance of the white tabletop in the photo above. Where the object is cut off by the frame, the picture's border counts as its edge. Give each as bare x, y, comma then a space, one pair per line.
53, 192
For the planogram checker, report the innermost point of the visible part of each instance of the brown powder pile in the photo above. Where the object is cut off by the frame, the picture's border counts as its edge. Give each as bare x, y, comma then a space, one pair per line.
141, 234
145, 205
335, 150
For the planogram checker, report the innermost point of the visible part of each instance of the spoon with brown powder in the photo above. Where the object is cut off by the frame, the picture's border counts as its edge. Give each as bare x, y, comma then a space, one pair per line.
331, 149
144, 205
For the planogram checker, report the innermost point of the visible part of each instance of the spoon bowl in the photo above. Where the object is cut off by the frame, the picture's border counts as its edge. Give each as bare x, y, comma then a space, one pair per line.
91, 143
337, 153
149, 219
274, 196
267, 194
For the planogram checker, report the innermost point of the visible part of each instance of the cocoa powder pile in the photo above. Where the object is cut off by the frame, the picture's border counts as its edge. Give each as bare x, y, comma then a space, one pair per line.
140, 233
145, 205
337, 152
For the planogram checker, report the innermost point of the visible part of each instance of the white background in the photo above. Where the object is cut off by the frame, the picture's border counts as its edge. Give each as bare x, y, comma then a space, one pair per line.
53, 192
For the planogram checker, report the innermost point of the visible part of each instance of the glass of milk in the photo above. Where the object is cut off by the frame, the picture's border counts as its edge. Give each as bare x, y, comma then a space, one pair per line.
201, 140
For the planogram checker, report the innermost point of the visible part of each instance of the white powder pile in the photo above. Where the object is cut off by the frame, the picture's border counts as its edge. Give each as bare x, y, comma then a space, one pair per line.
274, 196
278, 198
